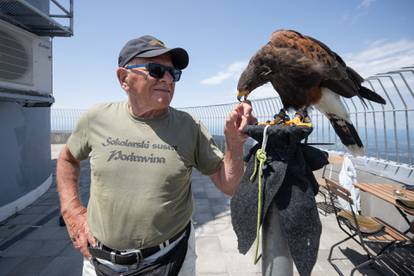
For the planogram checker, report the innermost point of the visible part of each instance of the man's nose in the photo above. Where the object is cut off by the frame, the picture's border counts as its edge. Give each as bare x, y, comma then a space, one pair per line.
167, 77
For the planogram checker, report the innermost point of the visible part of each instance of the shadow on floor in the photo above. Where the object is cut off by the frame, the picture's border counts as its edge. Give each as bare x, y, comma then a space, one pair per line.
399, 262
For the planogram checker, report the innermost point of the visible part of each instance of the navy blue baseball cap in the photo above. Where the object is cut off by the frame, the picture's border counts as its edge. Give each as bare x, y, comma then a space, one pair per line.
149, 46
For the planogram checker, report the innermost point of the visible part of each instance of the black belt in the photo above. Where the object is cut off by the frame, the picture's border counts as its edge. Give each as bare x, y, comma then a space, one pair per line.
115, 256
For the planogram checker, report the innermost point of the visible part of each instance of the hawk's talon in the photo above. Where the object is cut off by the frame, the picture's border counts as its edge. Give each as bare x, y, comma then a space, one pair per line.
297, 122
283, 119
271, 123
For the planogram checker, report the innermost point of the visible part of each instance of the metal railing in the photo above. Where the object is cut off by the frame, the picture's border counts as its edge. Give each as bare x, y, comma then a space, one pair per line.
63, 120
64, 12
386, 131
42, 17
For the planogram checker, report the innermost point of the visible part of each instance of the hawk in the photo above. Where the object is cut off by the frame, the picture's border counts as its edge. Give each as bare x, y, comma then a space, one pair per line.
306, 72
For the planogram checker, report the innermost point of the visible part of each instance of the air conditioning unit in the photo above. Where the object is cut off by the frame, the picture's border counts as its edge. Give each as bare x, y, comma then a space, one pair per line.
25, 61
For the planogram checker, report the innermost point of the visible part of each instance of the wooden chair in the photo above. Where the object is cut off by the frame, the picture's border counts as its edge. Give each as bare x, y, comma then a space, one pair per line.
362, 229
330, 172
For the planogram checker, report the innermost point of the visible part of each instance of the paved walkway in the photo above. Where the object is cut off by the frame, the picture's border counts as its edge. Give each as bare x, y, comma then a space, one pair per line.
32, 242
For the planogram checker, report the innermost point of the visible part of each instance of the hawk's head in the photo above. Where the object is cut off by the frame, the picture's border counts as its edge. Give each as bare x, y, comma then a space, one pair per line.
256, 74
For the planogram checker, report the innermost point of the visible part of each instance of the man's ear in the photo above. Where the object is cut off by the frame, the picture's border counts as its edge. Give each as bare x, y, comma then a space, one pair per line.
122, 74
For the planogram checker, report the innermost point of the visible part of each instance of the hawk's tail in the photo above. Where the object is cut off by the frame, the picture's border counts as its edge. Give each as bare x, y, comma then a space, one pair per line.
331, 105
347, 133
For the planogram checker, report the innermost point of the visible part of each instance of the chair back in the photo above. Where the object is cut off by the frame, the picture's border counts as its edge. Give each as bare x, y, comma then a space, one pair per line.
338, 190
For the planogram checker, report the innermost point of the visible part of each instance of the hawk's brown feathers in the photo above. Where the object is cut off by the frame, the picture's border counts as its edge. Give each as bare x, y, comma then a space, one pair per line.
304, 72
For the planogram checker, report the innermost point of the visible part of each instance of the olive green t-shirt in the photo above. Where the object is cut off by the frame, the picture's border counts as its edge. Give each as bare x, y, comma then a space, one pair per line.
140, 193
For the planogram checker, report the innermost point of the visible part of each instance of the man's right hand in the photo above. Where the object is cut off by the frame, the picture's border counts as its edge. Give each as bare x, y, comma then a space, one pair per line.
78, 230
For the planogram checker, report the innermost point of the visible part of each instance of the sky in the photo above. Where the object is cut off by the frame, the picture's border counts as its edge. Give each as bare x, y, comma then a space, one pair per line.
372, 36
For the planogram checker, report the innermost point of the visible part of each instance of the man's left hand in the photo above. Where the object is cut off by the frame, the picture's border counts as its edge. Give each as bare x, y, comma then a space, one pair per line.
227, 178
239, 117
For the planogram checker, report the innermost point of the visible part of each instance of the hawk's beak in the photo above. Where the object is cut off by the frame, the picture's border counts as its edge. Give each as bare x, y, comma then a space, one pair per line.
242, 93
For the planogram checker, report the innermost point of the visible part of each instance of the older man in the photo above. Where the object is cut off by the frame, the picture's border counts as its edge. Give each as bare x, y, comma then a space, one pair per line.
142, 152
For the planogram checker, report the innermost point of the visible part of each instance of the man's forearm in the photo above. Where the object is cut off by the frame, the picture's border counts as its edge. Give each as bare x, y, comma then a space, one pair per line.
73, 212
67, 174
231, 170
233, 166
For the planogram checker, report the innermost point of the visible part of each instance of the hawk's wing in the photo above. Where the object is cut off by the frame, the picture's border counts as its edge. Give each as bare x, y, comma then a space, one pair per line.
335, 74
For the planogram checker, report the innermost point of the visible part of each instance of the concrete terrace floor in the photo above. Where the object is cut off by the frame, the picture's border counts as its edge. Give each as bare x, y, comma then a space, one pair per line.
33, 243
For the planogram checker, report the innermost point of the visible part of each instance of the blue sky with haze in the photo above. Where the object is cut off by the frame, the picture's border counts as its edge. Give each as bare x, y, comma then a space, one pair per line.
220, 36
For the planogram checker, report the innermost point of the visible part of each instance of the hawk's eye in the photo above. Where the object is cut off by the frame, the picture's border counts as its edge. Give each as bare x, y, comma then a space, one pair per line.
266, 71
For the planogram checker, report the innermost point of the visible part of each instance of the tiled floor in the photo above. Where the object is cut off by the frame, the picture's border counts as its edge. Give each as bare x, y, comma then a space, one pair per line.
32, 242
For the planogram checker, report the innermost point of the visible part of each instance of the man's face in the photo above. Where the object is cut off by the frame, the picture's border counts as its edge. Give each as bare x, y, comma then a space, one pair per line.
146, 91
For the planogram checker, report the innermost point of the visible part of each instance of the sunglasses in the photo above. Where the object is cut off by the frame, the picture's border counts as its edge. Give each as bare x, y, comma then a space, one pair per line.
157, 70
